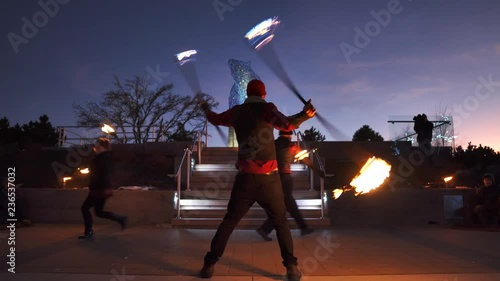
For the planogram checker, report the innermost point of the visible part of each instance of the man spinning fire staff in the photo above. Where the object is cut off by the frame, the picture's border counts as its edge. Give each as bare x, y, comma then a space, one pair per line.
257, 179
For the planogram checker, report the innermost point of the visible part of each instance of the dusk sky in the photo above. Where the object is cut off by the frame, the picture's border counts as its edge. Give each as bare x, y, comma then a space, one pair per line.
430, 55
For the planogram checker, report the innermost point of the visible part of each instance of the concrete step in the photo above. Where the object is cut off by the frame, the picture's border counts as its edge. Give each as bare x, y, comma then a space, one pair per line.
213, 183
226, 159
230, 167
219, 155
256, 213
225, 194
211, 186
215, 177
245, 223
221, 204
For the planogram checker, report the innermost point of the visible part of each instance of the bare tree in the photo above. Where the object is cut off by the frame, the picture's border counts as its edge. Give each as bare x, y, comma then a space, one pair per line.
406, 134
443, 129
134, 107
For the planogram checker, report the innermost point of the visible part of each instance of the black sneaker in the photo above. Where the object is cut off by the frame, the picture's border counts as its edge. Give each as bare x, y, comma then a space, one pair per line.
306, 231
207, 271
87, 235
263, 234
293, 273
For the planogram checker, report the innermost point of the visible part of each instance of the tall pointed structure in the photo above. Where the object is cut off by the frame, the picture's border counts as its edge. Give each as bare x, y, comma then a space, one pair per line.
242, 74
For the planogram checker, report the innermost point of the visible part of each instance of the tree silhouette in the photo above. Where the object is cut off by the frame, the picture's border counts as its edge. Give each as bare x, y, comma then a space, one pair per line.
365, 133
41, 132
9, 134
313, 135
475, 155
135, 107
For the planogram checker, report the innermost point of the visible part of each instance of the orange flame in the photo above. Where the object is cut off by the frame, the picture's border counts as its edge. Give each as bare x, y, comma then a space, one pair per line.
370, 177
84, 171
107, 129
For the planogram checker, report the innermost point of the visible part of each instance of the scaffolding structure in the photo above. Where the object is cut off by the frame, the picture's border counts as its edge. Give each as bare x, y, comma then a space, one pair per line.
443, 135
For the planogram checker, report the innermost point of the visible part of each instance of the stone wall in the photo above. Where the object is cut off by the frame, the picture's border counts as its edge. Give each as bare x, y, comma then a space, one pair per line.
404, 206
44, 205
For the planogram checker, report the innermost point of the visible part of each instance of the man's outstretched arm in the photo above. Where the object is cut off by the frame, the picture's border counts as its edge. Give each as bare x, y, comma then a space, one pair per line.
218, 119
284, 123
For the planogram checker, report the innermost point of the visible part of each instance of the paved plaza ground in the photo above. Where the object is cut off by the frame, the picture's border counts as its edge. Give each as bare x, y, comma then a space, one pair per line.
430, 252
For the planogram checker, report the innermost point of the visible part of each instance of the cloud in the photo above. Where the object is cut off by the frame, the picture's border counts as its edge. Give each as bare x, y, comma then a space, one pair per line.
474, 55
415, 94
359, 86
357, 66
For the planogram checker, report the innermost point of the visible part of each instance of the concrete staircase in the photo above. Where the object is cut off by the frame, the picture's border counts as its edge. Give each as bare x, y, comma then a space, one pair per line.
211, 182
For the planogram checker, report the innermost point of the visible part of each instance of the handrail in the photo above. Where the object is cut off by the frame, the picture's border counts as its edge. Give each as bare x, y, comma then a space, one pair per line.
300, 141
413, 134
178, 175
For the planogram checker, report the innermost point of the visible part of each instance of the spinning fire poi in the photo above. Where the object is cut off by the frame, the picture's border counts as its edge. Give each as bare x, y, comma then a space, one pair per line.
371, 176
259, 38
185, 60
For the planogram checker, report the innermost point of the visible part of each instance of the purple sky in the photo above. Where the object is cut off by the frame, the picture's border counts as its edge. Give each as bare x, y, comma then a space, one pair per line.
428, 55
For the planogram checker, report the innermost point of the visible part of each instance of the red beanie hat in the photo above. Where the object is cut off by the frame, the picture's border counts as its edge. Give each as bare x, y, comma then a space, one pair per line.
256, 88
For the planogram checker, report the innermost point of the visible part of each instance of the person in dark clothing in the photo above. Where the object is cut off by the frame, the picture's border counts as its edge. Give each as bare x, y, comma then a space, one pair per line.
487, 200
99, 189
423, 127
257, 179
285, 153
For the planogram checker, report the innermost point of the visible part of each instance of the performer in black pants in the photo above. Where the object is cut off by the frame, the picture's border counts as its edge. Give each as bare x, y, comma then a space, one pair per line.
258, 179
285, 153
99, 189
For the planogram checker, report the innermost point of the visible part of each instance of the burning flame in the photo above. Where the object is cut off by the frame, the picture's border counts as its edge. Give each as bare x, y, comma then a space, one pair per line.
447, 179
337, 192
370, 177
303, 154
65, 179
84, 171
186, 54
262, 32
107, 129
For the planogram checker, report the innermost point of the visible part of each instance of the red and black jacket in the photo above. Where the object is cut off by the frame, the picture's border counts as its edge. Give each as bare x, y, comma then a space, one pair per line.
253, 124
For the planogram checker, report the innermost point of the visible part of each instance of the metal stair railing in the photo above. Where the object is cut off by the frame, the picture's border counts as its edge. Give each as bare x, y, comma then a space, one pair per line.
199, 142
312, 153
178, 175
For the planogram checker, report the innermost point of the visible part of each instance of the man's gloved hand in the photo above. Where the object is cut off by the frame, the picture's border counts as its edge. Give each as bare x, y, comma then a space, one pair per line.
309, 109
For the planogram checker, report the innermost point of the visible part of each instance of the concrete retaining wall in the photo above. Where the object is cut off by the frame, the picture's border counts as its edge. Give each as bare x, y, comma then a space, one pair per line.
399, 207
44, 205
382, 207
